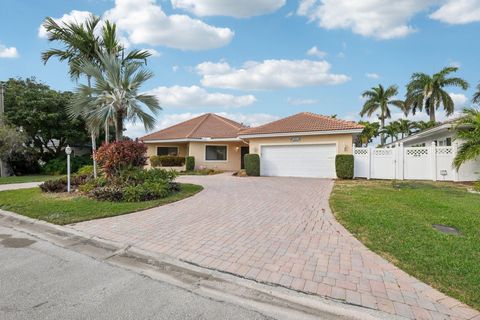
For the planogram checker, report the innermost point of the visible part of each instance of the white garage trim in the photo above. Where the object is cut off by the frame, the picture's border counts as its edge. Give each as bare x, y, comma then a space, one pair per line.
321, 165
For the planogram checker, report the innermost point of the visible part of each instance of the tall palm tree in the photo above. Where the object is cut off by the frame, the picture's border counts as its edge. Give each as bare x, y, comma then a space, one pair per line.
369, 132
476, 95
378, 100
391, 130
468, 131
115, 94
427, 92
424, 125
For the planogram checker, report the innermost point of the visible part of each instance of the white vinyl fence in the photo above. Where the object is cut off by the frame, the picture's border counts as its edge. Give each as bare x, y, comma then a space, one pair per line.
416, 163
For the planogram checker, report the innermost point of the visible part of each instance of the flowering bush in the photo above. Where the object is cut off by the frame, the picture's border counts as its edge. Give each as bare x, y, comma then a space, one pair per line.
118, 156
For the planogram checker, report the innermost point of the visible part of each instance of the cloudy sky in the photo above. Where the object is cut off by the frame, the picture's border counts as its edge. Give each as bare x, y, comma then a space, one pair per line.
257, 60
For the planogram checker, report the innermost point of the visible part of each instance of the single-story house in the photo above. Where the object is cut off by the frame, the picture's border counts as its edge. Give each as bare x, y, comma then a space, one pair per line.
302, 145
442, 134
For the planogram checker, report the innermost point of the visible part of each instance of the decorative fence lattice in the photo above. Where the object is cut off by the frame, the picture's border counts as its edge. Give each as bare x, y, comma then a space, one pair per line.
417, 163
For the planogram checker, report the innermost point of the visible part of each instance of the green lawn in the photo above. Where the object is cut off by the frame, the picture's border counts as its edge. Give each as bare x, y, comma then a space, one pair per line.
22, 179
395, 220
64, 209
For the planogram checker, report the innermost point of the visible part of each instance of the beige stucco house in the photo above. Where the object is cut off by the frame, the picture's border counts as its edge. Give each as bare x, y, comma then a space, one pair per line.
302, 145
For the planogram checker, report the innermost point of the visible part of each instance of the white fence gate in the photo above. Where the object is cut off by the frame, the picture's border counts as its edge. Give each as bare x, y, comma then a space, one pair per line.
416, 163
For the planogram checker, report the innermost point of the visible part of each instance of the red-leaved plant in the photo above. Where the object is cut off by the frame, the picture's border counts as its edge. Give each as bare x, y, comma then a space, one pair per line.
117, 156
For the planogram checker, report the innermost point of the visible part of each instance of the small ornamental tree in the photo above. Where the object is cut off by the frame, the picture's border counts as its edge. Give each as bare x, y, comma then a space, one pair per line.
117, 156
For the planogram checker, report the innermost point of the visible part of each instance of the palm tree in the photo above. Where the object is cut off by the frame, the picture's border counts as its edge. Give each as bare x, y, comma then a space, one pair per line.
427, 92
391, 130
379, 99
82, 44
370, 131
115, 94
476, 95
424, 125
405, 127
468, 131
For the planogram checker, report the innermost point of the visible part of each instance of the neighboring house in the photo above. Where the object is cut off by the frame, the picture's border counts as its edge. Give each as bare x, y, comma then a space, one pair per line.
302, 145
441, 134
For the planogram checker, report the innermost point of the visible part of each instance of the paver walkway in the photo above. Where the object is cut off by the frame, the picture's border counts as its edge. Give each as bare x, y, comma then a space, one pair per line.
278, 231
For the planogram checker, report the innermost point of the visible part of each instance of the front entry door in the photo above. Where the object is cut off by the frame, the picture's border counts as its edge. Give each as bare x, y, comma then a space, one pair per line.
243, 152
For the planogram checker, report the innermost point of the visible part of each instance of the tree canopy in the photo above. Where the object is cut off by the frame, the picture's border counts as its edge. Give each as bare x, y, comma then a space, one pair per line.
41, 114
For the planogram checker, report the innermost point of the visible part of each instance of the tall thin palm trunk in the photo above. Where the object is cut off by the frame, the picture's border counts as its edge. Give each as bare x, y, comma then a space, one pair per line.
107, 132
94, 139
382, 134
119, 126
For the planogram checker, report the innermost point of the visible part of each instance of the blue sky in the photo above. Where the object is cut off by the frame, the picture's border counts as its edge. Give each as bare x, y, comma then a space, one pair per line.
257, 60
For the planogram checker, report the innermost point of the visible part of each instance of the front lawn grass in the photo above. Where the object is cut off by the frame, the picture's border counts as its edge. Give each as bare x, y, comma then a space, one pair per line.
64, 208
23, 179
395, 219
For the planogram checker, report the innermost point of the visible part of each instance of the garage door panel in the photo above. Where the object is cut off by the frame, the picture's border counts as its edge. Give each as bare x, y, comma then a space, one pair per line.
299, 161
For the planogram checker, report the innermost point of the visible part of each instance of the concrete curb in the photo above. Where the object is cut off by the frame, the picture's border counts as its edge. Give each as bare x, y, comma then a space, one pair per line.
274, 301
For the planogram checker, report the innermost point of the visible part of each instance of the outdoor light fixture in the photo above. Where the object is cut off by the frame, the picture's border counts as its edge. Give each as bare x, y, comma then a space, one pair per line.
68, 151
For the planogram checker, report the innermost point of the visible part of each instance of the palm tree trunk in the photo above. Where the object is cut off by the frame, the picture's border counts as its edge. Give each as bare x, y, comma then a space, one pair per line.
382, 135
107, 132
119, 126
94, 140
432, 112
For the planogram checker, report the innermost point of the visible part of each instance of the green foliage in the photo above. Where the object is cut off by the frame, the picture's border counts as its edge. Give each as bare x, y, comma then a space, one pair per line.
41, 113
425, 92
252, 164
55, 185
24, 161
190, 163
476, 186
117, 156
138, 176
86, 170
146, 191
167, 161
468, 131
344, 166
370, 131
111, 193
58, 166
378, 100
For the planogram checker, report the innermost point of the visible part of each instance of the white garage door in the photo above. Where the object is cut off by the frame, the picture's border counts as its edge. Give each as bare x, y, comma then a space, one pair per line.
298, 161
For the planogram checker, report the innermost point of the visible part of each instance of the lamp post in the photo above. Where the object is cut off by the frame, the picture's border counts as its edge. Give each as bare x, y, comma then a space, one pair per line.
68, 151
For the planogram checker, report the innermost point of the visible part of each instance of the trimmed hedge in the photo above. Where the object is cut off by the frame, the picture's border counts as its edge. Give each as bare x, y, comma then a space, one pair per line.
344, 166
190, 163
167, 161
252, 164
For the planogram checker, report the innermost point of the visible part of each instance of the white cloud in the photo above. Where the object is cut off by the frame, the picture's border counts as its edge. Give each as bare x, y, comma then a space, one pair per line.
145, 22
372, 75
8, 52
74, 16
195, 97
459, 99
458, 12
237, 9
315, 52
374, 18
268, 74
253, 119
175, 68
301, 102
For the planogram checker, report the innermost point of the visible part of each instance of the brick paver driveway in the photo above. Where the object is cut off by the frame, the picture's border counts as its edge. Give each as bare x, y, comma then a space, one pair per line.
278, 231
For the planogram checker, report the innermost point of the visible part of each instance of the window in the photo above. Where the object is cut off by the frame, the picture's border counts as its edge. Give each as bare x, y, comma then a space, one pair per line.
215, 153
167, 151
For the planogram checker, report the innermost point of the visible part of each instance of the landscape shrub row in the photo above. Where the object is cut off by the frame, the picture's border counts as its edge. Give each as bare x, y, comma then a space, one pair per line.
167, 161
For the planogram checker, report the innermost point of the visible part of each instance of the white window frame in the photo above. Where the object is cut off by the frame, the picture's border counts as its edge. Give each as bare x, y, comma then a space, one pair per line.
178, 149
214, 145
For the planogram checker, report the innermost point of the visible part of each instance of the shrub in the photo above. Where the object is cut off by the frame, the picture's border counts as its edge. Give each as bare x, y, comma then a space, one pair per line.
344, 166
190, 163
167, 161
146, 191
108, 193
23, 161
136, 176
55, 185
58, 166
117, 156
476, 186
86, 170
252, 164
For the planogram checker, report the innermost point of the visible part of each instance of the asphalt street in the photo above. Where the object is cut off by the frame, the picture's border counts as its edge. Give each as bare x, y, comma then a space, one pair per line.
39, 280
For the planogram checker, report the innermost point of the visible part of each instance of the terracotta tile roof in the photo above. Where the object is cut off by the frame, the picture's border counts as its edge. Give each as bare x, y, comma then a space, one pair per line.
208, 125
302, 122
